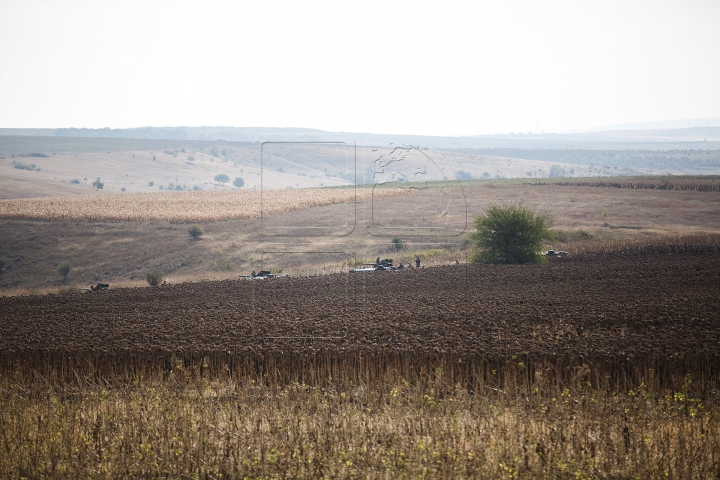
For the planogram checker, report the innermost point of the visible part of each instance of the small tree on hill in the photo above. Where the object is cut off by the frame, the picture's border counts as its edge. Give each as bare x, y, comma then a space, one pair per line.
222, 178
398, 244
195, 231
154, 277
98, 184
511, 233
239, 182
64, 269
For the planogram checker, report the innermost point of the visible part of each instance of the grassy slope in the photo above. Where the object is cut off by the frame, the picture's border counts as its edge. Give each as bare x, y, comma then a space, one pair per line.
122, 252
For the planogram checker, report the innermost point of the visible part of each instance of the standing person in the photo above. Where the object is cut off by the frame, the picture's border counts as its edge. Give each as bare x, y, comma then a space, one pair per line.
417, 261
377, 262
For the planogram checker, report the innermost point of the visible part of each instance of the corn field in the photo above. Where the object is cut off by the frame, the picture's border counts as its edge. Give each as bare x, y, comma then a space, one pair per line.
641, 245
181, 207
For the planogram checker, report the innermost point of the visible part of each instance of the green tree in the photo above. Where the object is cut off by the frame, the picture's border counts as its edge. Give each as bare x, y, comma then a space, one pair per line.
398, 244
154, 277
64, 269
98, 184
239, 182
195, 231
222, 178
511, 233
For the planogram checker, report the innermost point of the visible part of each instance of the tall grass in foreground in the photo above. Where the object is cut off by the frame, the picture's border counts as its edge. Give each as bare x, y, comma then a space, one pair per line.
361, 417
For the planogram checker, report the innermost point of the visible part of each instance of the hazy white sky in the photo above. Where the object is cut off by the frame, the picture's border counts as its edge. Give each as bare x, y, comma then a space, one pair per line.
436, 68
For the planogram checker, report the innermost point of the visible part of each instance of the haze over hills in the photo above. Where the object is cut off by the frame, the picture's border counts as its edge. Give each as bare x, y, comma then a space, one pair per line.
619, 136
663, 124
49, 162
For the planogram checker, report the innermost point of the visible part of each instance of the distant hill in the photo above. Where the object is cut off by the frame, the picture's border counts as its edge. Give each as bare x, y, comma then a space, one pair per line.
661, 125
696, 137
236, 134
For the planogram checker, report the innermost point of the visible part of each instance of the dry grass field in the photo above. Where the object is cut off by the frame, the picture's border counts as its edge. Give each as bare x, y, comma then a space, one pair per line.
120, 252
386, 427
182, 207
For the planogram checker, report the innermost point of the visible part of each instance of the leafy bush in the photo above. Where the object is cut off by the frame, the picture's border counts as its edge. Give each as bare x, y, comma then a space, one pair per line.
222, 178
239, 182
64, 269
191, 158
98, 184
398, 244
24, 166
154, 277
463, 175
151, 183
195, 231
511, 233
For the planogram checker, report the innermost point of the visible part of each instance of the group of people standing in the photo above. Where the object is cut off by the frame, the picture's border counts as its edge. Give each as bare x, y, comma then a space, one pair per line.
401, 266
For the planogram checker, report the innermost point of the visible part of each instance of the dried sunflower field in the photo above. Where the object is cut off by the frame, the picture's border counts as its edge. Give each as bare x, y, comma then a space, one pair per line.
204, 206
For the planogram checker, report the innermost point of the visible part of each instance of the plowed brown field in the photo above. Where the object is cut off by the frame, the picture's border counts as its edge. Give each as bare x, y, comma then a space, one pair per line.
654, 303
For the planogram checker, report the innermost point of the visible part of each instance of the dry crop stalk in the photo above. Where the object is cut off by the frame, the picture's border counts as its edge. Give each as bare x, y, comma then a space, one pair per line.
182, 207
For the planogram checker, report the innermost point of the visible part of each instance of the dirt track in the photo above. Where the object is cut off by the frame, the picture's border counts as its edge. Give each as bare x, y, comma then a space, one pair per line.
651, 304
